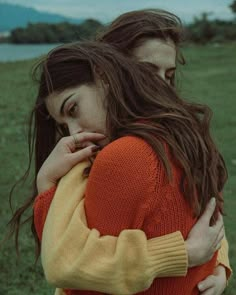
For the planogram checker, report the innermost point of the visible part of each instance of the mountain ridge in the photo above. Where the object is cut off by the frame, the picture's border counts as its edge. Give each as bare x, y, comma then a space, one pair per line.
14, 15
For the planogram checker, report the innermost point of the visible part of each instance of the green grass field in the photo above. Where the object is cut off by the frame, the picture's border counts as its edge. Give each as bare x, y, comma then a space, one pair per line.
209, 77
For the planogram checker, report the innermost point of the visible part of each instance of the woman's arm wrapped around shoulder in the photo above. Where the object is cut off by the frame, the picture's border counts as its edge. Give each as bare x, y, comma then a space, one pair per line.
97, 262
71, 189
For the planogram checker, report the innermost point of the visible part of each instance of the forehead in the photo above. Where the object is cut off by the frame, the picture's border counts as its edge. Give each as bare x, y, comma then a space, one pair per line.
157, 51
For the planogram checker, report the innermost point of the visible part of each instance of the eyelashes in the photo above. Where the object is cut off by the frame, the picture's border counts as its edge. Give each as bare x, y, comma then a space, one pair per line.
73, 110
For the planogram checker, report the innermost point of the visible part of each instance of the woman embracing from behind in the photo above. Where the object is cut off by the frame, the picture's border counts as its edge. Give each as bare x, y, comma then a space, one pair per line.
153, 36
159, 162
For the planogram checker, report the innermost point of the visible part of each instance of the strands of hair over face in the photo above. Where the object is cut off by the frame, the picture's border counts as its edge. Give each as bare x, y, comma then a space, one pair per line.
139, 106
131, 29
125, 33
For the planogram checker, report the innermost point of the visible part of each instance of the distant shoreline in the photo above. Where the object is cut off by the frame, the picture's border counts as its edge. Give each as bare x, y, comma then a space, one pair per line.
17, 52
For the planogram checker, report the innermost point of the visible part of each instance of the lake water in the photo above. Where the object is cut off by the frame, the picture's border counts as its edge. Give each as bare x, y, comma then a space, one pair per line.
13, 52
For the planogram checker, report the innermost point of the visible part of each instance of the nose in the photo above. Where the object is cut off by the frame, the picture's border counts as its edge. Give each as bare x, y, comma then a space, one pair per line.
161, 74
74, 127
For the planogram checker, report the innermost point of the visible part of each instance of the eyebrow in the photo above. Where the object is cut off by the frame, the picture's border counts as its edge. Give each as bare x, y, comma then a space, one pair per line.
63, 104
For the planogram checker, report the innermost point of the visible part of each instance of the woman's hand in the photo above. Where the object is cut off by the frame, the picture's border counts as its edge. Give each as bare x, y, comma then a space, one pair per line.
204, 240
65, 155
214, 284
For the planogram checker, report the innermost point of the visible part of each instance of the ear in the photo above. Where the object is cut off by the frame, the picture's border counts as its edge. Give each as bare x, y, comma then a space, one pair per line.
98, 71
99, 74
101, 78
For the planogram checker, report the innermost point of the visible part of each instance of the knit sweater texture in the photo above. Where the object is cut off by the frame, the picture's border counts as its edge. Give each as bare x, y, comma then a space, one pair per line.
126, 264
128, 188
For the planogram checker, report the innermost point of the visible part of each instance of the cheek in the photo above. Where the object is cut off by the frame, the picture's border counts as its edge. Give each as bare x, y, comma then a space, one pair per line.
100, 121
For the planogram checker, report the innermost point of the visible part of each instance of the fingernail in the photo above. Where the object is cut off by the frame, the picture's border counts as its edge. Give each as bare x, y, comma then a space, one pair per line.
213, 201
95, 148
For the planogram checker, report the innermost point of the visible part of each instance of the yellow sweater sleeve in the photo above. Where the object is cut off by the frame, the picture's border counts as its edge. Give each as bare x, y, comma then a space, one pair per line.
76, 257
223, 257
59, 292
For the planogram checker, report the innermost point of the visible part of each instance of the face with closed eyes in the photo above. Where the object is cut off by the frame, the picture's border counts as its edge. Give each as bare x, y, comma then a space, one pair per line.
160, 52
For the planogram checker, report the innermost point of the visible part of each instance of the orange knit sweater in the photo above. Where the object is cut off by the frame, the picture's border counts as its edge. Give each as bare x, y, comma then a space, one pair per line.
128, 188
142, 197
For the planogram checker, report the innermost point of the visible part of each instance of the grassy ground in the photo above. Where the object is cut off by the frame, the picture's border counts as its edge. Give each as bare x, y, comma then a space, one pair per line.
208, 77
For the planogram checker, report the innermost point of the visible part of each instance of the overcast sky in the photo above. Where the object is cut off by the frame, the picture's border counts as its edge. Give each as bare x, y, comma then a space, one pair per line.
106, 10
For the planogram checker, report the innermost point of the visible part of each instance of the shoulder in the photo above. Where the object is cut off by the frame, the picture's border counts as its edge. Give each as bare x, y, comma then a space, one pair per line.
128, 164
128, 150
129, 158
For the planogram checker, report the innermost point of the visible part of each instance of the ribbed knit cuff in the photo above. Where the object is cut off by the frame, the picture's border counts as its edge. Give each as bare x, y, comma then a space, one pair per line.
41, 207
44, 195
168, 256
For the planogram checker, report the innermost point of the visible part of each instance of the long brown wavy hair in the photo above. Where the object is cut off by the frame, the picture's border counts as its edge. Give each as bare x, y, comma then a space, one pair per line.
130, 30
147, 108
125, 33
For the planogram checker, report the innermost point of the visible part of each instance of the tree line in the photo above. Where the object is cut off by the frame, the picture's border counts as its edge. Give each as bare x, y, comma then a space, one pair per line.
201, 30
55, 33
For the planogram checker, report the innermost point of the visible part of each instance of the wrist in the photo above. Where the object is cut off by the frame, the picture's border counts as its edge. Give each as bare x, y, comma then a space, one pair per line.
43, 183
190, 252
